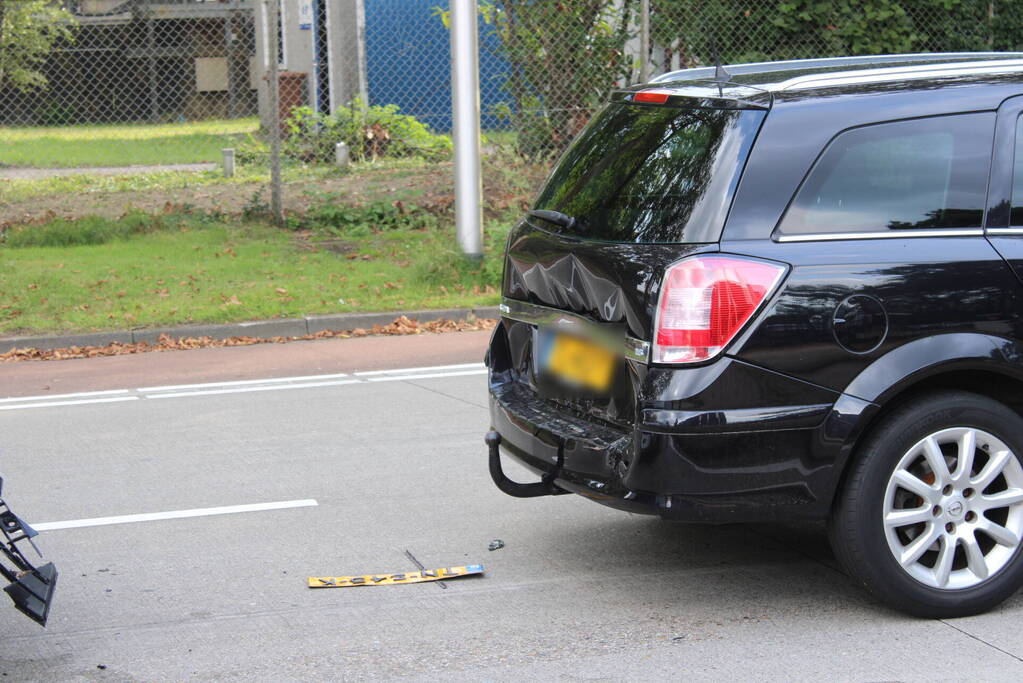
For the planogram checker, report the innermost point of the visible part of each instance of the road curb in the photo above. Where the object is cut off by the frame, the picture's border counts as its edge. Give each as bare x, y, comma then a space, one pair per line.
287, 327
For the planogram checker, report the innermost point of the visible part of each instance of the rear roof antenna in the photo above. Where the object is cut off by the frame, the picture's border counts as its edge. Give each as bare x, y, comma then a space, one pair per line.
720, 75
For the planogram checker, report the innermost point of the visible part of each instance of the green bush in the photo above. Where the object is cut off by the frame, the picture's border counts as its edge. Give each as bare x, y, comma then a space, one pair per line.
370, 133
332, 216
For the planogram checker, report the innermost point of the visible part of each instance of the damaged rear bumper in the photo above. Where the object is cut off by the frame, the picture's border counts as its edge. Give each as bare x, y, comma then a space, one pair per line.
569, 454
700, 466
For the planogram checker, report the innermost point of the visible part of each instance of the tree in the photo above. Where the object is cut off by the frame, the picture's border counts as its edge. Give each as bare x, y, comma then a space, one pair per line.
564, 56
28, 31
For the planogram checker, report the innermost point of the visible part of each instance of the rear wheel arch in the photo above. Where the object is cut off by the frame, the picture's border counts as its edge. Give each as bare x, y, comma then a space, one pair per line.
967, 375
911, 581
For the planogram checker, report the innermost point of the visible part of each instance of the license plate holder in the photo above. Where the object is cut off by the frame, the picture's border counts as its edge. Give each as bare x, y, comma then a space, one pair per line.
576, 361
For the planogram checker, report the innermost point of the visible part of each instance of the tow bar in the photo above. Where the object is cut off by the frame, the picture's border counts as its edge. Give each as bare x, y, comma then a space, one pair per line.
544, 487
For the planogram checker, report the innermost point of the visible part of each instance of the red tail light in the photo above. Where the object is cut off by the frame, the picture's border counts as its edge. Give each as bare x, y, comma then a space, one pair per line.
705, 301
652, 96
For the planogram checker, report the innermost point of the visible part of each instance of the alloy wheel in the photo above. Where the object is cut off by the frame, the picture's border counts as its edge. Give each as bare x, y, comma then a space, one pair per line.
953, 508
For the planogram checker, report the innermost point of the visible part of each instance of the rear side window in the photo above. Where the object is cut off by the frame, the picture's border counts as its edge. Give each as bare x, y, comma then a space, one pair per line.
909, 175
1016, 216
651, 173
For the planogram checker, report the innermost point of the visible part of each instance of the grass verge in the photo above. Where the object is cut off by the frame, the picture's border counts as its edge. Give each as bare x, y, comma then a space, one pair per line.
121, 145
180, 182
144, 270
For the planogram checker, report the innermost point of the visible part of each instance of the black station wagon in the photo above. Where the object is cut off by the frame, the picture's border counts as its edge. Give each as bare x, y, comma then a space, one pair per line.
787, 291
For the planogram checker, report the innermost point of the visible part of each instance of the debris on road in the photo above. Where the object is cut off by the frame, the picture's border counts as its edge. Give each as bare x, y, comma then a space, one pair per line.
421, 567
390, 579
496, 544
400, 326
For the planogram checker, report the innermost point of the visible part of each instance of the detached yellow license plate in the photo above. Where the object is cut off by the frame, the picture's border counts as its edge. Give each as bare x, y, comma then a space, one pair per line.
390, 579
580, 362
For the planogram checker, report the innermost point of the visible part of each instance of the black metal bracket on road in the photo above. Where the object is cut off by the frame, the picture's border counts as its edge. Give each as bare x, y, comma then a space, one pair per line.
31, 588
544, 487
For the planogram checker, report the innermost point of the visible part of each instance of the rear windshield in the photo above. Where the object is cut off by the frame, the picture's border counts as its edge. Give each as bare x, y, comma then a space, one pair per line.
651, 174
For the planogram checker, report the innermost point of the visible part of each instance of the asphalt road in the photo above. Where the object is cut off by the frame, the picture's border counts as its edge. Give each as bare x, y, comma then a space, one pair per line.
395, 461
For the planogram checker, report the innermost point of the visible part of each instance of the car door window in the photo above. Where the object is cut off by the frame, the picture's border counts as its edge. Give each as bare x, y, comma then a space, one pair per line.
907, 175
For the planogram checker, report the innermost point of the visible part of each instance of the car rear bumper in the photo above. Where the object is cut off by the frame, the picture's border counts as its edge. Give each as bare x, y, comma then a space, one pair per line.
716, 466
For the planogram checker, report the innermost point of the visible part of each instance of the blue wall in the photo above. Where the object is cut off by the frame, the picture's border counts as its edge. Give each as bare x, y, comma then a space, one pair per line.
408, 62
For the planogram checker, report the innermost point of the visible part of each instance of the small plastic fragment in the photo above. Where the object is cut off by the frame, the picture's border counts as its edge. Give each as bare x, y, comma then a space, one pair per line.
496, 544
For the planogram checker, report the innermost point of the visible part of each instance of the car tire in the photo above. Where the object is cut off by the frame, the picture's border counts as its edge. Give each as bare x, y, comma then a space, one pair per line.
931, 541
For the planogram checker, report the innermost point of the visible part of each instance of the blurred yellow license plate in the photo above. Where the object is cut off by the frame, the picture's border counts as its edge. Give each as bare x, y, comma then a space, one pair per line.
391, 579
581, 362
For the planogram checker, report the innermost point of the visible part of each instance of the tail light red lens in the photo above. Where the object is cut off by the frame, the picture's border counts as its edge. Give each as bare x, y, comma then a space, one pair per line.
705, 301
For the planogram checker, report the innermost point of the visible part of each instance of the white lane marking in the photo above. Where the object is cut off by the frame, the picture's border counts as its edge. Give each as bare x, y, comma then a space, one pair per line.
243, 390
430, 368
308, 385
174, 514
246, 386
53, 404
22, 399
482, 371
177, 387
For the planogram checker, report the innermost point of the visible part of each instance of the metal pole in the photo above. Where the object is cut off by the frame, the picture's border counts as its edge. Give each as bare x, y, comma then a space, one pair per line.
154, 89
644, 41
230, 48
276, 208
465, 105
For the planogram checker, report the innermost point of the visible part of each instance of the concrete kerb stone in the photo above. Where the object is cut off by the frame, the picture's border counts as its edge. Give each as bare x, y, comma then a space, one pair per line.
65, 341
353, 321
288, 327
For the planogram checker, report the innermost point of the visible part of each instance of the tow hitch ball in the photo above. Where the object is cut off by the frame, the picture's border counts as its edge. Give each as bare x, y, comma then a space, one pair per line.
544, 487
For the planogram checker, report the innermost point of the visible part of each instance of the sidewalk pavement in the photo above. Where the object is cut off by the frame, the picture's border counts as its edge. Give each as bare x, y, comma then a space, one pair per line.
25, 173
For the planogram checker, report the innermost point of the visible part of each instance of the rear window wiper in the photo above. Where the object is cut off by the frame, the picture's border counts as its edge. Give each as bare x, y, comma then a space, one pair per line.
556, 217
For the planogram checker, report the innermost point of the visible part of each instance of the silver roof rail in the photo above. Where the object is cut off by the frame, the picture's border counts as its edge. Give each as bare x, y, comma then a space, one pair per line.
901, 73
707, 72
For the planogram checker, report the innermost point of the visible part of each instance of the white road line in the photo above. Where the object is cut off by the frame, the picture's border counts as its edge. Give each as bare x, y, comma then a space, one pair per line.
53, 404
405, 371
174, 514
177, 387
22, 399
397, 378
243, 390
244, 386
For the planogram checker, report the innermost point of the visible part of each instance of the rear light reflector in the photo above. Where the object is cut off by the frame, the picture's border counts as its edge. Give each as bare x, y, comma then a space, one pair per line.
705, 301
652, 96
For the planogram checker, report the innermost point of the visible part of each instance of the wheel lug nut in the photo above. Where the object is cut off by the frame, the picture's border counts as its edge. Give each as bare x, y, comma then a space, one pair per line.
970, 516
947, 490
967, 493
950, 527
936, 510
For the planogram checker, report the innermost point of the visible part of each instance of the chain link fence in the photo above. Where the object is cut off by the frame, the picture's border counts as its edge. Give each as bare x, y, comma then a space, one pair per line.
157, 84
119, 83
